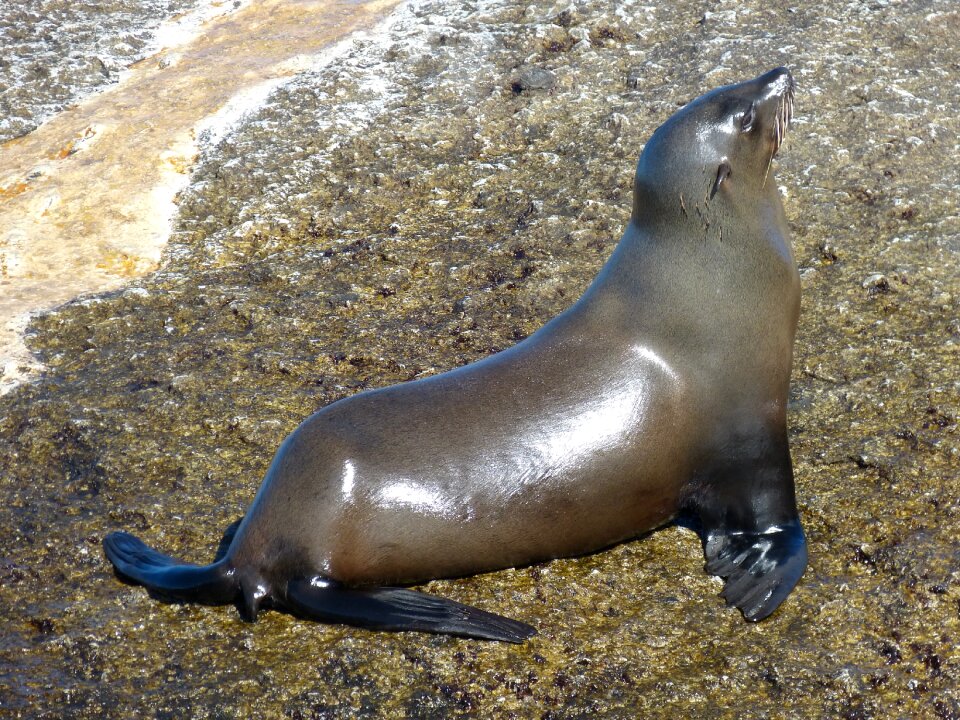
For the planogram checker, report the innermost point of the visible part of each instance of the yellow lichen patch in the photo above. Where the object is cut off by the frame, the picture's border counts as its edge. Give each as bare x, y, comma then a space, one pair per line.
75, 145
178, 162
64, 152
12, 190
123, 265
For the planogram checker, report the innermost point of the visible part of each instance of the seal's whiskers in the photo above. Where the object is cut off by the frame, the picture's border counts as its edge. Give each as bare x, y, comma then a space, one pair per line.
781, 122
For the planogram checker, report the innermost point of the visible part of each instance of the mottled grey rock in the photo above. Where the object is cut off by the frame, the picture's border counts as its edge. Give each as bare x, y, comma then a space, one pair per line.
531, 77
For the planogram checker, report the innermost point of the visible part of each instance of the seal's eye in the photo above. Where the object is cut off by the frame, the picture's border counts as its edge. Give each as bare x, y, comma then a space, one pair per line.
746, 122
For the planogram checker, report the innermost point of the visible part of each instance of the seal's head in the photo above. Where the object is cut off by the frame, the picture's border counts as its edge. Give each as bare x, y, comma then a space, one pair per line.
717, 148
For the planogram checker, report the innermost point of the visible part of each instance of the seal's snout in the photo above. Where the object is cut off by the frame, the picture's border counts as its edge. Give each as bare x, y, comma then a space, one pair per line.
777, 79
777, 90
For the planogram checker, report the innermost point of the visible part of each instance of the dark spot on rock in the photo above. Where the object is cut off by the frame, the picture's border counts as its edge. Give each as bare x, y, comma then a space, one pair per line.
459, 697
10, 572
891, 652
564, 18
931, 661
44, 626
496, 276
857, 711
524, 217
909, 436
142, 384
828, 252
414, 657
876, 284
946, 708
605, 32
599, 244
938, 419
521, 686
770, 676
559, 46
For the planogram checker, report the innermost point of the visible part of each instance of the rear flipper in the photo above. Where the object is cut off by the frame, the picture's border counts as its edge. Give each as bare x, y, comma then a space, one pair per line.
389, 608
210, 584
760, 567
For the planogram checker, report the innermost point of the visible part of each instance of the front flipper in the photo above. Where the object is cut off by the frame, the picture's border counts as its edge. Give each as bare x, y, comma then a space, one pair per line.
750, 528
389, 608
760, 567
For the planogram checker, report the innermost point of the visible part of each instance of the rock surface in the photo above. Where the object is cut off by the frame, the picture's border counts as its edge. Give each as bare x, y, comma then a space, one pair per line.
405, 211
57, 50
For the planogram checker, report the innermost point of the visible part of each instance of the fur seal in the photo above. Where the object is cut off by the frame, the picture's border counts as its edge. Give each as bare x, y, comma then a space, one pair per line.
662, 390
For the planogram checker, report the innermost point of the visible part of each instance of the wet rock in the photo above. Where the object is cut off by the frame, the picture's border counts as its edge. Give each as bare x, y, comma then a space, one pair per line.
55, 52
531, 77
272, 290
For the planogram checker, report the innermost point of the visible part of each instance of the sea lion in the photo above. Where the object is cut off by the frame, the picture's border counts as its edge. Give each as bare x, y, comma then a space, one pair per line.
663, 389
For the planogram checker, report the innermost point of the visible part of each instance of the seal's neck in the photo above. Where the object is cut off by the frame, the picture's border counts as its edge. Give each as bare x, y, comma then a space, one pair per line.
692, 212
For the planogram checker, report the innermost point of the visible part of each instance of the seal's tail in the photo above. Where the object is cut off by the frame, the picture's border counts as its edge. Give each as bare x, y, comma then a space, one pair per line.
392, 608
380, 608
209, 584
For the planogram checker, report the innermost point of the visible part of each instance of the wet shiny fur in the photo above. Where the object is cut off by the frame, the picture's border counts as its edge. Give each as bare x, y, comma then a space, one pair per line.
663, 389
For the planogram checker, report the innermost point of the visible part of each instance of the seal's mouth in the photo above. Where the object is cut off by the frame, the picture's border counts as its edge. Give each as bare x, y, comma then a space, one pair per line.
783, 115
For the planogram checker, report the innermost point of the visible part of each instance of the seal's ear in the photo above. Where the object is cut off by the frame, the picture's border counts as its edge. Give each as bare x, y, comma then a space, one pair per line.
723, 172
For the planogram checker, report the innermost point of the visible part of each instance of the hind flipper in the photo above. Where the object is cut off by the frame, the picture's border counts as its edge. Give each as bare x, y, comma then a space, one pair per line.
761, 568
389, 608
136, 561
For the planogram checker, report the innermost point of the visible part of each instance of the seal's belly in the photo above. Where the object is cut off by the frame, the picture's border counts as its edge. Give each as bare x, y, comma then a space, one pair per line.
504, 509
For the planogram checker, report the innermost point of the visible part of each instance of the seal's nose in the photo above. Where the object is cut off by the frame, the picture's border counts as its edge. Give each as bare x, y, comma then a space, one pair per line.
778, 80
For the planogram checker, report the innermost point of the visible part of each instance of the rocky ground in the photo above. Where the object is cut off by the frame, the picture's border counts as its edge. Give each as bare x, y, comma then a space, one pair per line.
55, 51
435, 196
